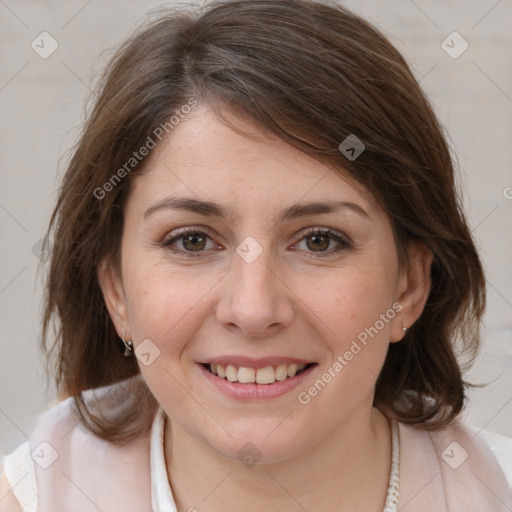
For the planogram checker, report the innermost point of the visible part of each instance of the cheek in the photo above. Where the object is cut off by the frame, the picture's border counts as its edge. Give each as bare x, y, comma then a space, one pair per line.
354, 315
166, 307
166, 304
352, 302
356, 311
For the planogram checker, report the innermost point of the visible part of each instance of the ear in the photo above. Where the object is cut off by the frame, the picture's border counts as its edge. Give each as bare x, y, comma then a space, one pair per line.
413, 287
111, 285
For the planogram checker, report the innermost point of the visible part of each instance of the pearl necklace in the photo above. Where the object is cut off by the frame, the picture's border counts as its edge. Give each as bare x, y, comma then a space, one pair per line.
394, 477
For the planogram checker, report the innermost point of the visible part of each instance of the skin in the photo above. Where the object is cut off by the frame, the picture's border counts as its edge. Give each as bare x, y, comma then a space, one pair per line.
295, 300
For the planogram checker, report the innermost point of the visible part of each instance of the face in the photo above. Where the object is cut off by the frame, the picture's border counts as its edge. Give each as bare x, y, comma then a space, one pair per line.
226, 262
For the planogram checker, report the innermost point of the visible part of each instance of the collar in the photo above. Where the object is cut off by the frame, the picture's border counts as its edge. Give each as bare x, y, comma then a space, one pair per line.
452, 469
161, 494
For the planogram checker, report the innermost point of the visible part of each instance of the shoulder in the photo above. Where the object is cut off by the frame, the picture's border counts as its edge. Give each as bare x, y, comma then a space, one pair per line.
461, 436
18, 475
8, 500
465, 439
464, 464
501, 447
37, 475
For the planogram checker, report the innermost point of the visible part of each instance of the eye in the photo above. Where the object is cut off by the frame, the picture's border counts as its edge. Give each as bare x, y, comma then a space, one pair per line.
319, 241
191, 242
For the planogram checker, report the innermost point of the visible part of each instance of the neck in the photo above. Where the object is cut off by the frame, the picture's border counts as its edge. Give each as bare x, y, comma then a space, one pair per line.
349, 470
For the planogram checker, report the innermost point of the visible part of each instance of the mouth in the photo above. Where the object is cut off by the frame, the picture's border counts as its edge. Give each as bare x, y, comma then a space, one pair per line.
266, 375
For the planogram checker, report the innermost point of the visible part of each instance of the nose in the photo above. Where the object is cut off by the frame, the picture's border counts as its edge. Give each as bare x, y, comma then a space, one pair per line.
254, 297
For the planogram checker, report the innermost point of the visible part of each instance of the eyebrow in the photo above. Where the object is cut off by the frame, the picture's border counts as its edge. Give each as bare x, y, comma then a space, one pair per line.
211, 209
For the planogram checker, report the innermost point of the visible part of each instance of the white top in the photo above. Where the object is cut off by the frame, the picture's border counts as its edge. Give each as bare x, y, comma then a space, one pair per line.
20, 471
161, 494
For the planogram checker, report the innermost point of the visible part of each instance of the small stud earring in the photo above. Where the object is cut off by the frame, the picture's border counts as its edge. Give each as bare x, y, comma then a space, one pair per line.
128, 347
404, 328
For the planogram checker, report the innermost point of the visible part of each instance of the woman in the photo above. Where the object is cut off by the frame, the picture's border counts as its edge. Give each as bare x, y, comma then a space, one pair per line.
264, 288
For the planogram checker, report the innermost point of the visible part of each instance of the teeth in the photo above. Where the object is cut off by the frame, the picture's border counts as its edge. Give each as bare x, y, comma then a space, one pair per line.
292, 370
265, 375
221, 372
231, 373
281, 372
246, 375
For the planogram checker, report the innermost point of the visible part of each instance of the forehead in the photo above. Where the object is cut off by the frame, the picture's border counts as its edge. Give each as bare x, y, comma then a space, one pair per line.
203, 157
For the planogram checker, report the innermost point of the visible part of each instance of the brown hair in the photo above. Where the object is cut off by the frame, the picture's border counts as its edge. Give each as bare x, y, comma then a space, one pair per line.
312, 74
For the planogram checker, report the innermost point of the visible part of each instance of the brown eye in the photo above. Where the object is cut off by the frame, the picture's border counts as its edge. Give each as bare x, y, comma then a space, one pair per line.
322, 241
190, 242
318, 242
194, 242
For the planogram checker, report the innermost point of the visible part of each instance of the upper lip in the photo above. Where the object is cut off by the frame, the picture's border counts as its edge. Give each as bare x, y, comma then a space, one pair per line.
252, 362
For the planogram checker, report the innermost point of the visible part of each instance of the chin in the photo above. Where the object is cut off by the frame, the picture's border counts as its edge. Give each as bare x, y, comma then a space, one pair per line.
258, 448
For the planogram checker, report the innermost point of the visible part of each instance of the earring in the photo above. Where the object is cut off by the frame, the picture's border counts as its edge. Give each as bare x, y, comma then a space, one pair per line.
404, 328
128, 347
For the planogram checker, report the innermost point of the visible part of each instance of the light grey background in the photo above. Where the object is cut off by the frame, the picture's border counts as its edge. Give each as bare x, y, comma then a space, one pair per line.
42, 105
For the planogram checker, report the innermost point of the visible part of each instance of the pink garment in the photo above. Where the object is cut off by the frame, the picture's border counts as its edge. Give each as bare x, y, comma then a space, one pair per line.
453, 470
90, 474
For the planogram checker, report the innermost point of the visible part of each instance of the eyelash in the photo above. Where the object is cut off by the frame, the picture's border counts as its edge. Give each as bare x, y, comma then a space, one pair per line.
344, 244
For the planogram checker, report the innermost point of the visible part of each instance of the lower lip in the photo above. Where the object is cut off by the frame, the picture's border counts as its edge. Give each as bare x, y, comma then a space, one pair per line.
255, 391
